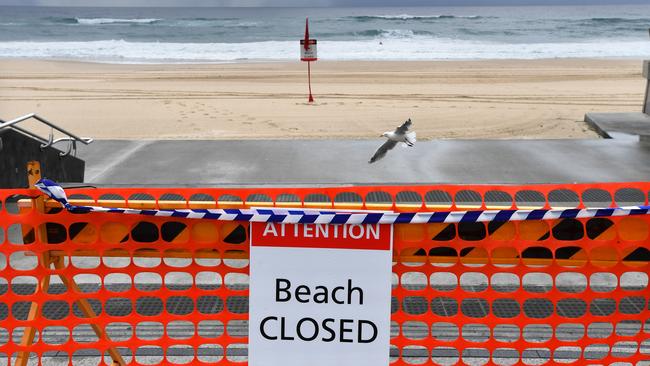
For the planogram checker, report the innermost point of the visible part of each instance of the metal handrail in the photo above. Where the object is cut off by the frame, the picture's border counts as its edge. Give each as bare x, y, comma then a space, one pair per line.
46, 142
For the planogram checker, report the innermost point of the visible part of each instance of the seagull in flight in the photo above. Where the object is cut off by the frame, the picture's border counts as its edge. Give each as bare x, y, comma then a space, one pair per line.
401, 134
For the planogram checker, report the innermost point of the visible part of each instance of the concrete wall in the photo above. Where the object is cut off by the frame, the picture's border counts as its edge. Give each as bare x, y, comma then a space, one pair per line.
17, 149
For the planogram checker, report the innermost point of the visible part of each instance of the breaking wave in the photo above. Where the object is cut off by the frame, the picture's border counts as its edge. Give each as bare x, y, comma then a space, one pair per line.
93, 21
97, 21
416, 48
365, 18
618, 20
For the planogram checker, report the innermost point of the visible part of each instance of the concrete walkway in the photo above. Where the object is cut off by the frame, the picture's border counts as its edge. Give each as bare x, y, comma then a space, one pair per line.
322, 162
617, 125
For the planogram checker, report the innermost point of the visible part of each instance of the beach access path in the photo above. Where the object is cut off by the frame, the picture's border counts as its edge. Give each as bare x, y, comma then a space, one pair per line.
340, 162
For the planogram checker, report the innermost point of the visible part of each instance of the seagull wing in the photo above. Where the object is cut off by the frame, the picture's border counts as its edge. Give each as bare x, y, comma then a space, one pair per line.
383, 149
401, 130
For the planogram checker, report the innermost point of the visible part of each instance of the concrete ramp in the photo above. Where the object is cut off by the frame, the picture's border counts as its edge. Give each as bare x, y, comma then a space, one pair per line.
610, 125
322, 162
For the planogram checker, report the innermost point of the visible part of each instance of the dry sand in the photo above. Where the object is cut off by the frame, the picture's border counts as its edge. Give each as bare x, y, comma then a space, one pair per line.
470, 99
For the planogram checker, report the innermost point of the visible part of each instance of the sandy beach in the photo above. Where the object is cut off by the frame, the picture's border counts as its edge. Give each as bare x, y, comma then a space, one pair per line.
469, 99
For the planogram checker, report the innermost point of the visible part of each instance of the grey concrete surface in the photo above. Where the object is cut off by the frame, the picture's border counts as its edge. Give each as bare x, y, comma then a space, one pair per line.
323, 162
616, 125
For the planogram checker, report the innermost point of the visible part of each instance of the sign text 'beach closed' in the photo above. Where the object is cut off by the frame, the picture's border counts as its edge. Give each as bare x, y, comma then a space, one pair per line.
320, 294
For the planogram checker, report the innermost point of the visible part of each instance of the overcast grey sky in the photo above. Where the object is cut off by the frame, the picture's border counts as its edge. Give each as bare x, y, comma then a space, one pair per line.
309, 3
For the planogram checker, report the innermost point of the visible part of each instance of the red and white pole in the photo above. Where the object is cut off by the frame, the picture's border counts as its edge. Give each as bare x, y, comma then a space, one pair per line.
308, 54
311, 97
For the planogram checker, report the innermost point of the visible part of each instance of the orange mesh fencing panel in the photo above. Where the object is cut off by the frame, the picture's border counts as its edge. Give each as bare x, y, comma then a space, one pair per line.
88, 289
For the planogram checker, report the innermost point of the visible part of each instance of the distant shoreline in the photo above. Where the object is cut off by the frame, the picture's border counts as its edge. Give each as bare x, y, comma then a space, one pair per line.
280, 61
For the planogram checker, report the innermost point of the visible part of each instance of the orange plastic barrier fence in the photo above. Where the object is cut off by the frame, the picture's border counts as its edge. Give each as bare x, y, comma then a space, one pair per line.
87, 289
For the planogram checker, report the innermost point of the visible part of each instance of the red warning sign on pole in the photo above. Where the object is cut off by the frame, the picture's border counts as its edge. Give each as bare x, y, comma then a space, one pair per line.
308, 53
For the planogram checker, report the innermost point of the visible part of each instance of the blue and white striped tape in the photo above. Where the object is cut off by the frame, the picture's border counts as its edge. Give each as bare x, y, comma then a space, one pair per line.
284, 215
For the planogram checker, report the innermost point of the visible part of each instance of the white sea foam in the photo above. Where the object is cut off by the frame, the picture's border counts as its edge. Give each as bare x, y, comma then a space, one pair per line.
413, 48
95, 21
412, 17
443, 16
396, 33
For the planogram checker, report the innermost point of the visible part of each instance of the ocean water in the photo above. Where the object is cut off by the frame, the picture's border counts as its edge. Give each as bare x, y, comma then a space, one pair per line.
152, 35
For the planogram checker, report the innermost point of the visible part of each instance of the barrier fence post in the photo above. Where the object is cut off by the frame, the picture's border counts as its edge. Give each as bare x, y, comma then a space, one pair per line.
58, 260
33, 175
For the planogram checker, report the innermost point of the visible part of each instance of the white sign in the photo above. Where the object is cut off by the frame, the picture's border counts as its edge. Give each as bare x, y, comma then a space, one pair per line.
320, 294
308, 54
